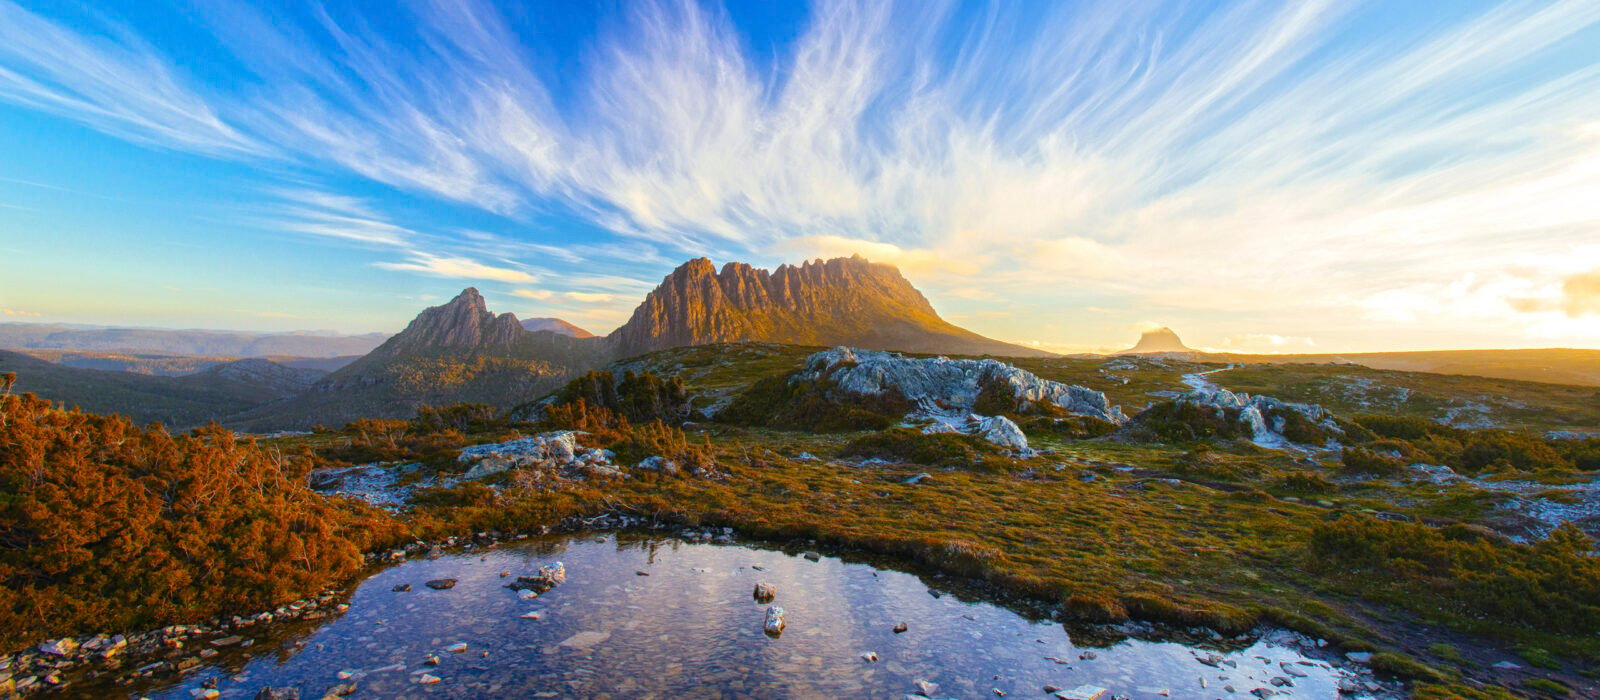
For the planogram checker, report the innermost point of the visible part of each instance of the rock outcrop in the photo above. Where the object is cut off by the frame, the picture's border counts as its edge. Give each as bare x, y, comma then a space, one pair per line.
843, 301
945, 387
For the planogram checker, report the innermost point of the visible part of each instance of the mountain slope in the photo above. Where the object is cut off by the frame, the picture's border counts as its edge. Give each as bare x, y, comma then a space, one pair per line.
843, 301
458, 351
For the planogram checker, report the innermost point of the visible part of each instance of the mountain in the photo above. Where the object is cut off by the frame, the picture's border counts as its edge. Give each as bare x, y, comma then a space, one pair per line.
843, 301
1158, 340
555, 325
213, 394
458, 351
17, 336
461, 351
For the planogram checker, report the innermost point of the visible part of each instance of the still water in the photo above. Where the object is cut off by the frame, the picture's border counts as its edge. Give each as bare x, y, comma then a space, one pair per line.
654, 617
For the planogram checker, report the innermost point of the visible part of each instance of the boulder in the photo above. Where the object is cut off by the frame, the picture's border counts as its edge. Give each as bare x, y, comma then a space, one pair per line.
442, 584
765, 592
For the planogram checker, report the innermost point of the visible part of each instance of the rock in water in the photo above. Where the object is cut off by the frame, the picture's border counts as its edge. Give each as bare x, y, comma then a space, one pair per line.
765, 592
442, 584
1082, 692
775, 623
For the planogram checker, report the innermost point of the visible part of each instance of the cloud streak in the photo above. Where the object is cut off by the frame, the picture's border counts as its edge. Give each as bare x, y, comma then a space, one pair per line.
1250, 157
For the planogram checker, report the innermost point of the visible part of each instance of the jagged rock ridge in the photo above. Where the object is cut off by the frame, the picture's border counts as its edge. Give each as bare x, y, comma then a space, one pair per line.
843, 301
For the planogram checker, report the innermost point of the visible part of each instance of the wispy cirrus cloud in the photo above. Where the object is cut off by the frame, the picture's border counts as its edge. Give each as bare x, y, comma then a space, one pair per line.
1286, 161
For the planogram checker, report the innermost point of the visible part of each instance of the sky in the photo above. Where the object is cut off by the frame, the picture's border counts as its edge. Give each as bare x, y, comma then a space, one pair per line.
1316, 176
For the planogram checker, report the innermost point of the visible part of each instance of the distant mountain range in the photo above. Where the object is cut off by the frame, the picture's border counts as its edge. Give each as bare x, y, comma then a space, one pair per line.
20, 336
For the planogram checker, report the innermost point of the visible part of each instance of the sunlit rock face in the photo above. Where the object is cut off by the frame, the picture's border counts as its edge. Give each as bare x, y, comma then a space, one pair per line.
843, 301
944, 387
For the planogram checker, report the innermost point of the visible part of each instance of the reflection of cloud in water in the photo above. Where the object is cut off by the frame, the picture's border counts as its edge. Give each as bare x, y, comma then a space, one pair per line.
691, 628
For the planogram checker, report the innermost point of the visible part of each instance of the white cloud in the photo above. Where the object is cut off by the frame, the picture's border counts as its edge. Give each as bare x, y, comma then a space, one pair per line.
456, 268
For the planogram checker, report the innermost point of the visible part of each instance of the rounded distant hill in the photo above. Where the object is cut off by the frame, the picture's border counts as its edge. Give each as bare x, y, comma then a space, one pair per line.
1158, 340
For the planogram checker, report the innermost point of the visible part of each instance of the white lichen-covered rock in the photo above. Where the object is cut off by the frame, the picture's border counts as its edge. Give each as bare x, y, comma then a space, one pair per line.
942, 386
999, 430
1264, 415
658, 464
556, 451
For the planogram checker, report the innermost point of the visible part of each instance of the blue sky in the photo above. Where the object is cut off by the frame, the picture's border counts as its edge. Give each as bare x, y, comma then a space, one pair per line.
1317, 176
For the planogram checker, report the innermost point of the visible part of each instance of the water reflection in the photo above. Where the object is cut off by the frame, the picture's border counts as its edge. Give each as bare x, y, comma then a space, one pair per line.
663, 618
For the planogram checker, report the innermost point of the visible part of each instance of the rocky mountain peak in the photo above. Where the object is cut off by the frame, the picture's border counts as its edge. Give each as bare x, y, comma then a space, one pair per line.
463, 323
842, 301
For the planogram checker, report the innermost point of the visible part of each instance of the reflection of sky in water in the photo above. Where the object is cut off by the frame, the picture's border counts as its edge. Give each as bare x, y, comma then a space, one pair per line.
691, 629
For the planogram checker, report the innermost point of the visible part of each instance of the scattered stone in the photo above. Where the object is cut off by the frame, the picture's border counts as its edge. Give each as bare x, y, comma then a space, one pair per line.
813, 556
641, 572
926, 688
205, 694
343, 689
66, 646
457, 648
870, 657
918, 478
442, 584
1360, 657
1507, 665
527, 594
271, 693
765, 592
428, 679
431, 659
901, 627
228, 641
533, 615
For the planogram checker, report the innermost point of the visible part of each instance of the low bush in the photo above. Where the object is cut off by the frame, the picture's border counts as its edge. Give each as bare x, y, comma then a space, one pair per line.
1181, 422
1362, 460
109, 527
638, 397
813, 406
1552, 585
935, 450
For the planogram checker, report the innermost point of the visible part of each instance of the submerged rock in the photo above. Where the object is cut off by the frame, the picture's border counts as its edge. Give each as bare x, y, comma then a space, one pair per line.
442, 584
774, 623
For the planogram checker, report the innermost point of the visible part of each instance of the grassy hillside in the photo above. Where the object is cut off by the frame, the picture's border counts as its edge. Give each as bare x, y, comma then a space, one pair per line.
1458, 400
1549, 366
